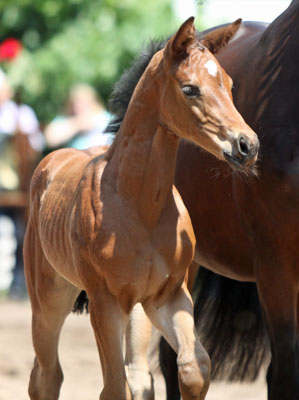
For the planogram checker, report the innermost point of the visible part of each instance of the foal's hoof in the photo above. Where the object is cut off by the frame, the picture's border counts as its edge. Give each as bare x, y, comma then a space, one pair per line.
141, 383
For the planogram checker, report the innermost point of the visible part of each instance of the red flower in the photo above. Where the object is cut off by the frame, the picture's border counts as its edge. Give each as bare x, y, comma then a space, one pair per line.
9, 49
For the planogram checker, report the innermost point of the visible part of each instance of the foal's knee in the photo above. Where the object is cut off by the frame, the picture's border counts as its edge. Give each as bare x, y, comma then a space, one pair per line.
45, 384
194, 376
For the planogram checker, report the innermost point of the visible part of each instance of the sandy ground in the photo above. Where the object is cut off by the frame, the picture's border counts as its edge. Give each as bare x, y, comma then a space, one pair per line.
82, 375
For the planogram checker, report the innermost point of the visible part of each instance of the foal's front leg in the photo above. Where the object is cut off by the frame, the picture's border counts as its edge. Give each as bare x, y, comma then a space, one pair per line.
138, 335
175, 321
109, 323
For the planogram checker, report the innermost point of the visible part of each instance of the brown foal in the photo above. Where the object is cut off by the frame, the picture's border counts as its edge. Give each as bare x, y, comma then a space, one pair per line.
115, 225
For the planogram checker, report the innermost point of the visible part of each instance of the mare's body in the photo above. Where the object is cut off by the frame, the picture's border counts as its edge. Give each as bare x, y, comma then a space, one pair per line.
248, 229
115, 225
255, 237
268, 98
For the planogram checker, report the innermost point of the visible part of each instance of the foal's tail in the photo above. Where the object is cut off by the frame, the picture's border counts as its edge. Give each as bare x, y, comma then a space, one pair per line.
81, 304
230, 326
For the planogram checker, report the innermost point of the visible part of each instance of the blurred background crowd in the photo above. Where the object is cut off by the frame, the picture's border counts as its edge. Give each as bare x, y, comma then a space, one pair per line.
58, 63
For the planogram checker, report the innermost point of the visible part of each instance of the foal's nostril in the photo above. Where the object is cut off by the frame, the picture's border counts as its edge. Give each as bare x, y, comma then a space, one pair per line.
243, 147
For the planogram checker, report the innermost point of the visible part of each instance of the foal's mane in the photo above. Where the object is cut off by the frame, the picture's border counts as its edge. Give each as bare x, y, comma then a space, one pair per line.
124, 88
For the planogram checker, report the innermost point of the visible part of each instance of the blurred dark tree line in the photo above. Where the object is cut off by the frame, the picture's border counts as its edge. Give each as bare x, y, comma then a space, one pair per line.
66, 42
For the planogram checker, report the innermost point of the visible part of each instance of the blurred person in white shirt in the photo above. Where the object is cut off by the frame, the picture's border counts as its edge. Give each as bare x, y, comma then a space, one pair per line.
14, 117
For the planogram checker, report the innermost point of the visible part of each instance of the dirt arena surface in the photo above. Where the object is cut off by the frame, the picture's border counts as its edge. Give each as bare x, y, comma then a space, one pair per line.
79, 358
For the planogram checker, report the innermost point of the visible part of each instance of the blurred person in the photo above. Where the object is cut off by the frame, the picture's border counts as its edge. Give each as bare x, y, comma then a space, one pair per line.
14, 117
84, 123
17, 116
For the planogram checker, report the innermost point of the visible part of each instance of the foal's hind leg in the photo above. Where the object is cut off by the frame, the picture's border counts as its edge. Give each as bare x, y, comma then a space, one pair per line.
52, 298
138, 335
109, 322
175, 321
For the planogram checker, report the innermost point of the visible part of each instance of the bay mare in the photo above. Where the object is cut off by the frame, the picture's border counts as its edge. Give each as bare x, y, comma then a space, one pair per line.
248, 229
115, 226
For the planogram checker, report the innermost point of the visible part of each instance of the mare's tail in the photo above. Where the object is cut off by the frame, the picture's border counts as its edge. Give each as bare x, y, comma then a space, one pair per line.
230, 325
81, 304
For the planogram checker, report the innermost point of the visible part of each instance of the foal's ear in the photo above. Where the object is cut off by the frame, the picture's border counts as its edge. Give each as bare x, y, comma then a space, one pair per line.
218, 39
183, 38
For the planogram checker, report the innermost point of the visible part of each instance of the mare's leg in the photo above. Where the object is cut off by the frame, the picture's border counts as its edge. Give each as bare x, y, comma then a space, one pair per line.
269, 378
278, 293
169, 370
175, 321
52, 298
191, 275
109, 323
138, 335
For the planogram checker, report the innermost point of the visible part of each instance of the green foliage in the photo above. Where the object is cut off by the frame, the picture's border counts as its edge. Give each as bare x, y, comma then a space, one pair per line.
78, 41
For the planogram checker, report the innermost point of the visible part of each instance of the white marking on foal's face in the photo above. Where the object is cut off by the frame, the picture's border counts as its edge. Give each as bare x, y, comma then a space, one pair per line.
212, 68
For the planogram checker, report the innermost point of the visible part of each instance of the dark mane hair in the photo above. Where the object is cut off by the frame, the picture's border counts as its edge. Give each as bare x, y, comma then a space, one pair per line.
124, 88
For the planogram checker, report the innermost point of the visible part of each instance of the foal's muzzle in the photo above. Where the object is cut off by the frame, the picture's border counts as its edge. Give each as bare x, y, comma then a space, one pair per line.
244, 152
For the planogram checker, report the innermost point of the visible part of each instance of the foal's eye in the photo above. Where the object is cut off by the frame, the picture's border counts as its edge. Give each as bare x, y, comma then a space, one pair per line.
191, 91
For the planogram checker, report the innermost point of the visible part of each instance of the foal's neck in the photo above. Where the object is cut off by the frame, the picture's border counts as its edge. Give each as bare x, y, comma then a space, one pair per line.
142, 162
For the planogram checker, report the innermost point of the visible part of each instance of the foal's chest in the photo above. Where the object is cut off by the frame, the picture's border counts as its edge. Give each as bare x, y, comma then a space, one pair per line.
132, 255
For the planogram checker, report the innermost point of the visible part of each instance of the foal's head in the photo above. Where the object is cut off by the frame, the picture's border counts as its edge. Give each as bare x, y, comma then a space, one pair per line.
196, 100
